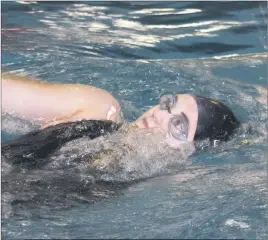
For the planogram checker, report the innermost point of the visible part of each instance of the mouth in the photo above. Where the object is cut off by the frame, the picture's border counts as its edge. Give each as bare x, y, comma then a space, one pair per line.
148, 123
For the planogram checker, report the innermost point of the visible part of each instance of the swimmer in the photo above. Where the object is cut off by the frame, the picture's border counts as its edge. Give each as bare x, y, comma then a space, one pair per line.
82, 158
179, 119
53, 103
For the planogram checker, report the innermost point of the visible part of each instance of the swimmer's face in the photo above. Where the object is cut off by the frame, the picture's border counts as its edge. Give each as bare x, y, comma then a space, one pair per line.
175, 117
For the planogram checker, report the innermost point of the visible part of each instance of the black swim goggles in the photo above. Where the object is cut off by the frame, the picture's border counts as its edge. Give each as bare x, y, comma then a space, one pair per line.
178, 124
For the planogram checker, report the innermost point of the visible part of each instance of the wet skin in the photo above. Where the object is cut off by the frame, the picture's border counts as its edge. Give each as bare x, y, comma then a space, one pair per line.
157, 118
52, 103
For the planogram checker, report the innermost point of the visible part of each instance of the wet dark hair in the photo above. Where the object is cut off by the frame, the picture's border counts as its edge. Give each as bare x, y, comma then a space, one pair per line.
215, 120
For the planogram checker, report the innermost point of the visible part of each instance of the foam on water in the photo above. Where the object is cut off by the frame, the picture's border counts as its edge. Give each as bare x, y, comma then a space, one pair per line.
125, 157
15, 126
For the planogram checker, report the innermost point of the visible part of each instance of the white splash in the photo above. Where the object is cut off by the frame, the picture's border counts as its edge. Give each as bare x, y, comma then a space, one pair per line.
238, 224
97, 26
186, 11
165, 11
226, 56
198, 24
128, 24
186, 25
125, 155
26, 2
151, 10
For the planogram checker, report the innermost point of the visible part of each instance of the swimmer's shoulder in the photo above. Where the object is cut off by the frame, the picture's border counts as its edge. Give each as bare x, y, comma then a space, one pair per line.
97, 100
92, 92
24, 79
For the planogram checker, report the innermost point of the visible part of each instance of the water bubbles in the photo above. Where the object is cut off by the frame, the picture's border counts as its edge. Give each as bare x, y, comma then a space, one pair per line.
235, 223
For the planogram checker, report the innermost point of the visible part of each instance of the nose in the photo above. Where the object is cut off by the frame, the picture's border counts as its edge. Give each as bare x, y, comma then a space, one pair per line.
162, 118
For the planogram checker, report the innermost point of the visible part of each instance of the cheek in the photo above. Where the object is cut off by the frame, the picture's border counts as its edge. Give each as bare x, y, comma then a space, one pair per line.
162, 118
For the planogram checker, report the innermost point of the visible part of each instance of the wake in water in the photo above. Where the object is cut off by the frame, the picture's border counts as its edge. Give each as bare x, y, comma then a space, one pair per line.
83, 168
85, 171
126, 155
14, 126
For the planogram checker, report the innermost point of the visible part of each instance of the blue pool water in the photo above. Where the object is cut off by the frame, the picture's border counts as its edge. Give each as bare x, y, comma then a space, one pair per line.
137, 51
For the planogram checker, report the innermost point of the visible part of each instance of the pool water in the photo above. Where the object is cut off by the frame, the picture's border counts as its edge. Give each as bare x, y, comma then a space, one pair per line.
138, 51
